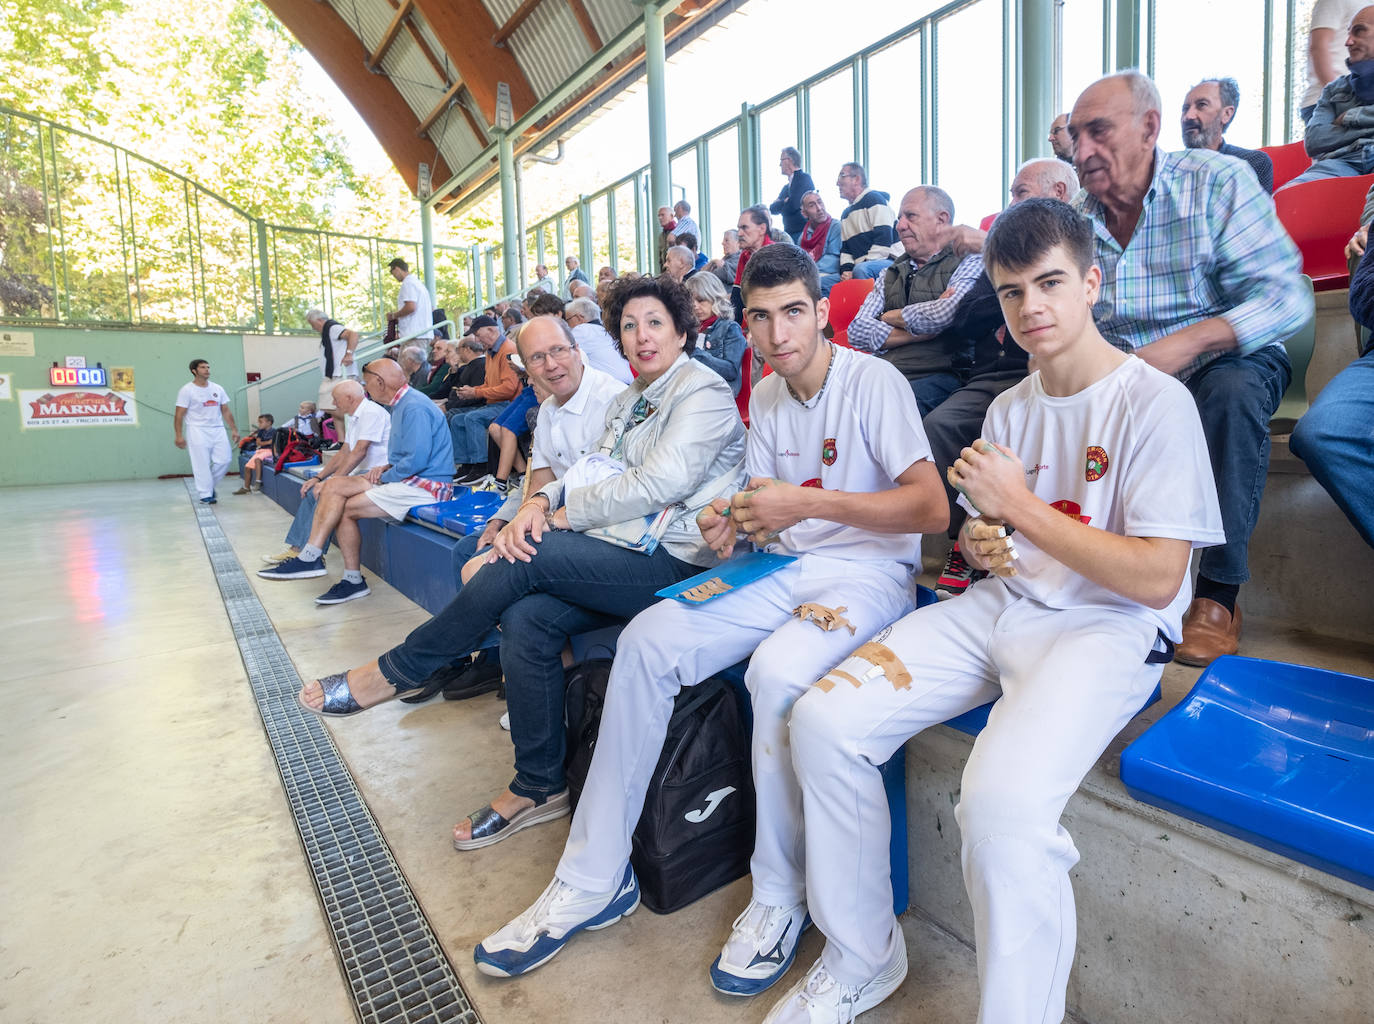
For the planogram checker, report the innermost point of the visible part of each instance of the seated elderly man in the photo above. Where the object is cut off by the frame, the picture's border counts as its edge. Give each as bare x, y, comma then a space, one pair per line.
415, 365
367, 433
679, 263
571, 421
500, 384
998, 365
1200, 280
598, 348
467, 368
1333, 436
907, 317
418, 471
1340, 133
1208, 110
439, 367
727, 264
868, 240
820, 239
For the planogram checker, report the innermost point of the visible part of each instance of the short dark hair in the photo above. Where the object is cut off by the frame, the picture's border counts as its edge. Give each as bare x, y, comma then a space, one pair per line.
1024, 232
266, 416
514, 315
688, 239
546, 304
398, 262
195, 363
779, 264
675, 298
758, 213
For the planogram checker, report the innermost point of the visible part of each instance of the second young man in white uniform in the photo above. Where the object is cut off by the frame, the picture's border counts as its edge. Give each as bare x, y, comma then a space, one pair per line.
841, 479
202, 413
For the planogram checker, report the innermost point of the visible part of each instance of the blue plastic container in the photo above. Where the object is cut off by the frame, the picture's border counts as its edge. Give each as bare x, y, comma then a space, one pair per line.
1279, 755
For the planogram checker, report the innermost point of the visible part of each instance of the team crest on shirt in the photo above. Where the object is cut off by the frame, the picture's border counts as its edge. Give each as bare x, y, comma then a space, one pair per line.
1072, 509
1097, 462
828, 451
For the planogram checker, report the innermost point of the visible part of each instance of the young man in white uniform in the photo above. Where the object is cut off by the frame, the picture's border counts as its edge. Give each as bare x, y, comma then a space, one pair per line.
1098, 462
842, 479
201, 406
414, 312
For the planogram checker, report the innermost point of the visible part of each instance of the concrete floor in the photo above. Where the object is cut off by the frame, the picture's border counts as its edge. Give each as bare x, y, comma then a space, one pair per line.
149, 868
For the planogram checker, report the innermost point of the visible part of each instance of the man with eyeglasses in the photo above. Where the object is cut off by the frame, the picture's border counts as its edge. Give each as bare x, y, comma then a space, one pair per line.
868, 226
571, 422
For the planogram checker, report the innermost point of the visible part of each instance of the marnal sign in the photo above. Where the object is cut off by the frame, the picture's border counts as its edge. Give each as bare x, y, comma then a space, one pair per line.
102, 408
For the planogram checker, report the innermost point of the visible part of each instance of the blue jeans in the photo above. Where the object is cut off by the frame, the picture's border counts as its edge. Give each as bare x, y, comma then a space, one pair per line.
573, 584
932, 389
1236, 396
298, 535
1338, 167
828, 281
462, 551
469, 430
871, 268
1336, 440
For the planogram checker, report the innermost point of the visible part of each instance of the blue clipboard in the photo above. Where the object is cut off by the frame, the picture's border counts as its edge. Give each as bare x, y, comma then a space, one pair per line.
726, 578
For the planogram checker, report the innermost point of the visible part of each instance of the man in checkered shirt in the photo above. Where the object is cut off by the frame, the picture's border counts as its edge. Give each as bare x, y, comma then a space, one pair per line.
1201, 281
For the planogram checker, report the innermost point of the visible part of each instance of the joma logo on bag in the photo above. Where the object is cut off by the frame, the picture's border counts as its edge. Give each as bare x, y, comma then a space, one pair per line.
712, 802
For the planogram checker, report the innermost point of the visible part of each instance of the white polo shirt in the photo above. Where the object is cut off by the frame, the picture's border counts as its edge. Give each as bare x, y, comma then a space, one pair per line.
422, 319
371, 423
564, 433
598, 348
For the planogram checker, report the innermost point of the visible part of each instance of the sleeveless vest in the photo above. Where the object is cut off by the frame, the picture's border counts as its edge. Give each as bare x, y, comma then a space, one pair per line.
904, 285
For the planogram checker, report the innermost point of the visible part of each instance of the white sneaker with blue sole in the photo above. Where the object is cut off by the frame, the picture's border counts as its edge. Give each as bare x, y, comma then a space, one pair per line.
295, 569
820, 998
342, 591
536, 936
760, 949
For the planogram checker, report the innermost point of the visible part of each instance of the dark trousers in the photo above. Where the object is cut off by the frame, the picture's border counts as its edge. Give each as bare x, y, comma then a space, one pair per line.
955, 424
573, 584
1236, 397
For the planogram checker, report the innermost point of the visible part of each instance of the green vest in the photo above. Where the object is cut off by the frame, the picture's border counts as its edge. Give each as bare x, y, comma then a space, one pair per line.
905, 285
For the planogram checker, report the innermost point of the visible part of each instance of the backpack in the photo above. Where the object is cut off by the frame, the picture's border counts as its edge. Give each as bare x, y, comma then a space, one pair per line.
696, 832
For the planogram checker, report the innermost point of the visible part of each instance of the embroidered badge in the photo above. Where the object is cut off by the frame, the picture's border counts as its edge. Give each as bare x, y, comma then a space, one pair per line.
1097, 463
1071, 509
828, 451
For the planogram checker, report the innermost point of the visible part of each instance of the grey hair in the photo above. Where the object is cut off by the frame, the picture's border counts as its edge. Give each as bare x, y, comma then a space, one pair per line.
1051, 170
686, 206
683, 253
708, 288
1144, 95
471, 343
348, 387
315, 314
1229, 91
583, 307
857, 169
415, 352
938, 198
792, 154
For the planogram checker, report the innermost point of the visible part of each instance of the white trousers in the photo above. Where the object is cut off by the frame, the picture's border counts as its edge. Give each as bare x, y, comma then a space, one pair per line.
673, 645
210, 456
1068, 681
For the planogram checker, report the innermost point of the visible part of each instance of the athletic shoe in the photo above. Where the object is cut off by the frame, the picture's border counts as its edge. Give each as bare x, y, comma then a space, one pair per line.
280, 556
482, 675
957, 575
212, 500
536, 936
343, 591
244, 490
470, 474
760, 949
820, 999
504, 721
294, 568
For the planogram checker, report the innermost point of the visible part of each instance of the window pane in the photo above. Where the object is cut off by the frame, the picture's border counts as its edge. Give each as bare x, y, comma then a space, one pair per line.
1082, 51
968, 114
777, 128
894, 118
832, 134
722, 161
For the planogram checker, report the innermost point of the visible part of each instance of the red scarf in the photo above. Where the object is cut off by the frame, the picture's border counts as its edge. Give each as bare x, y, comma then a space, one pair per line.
744, 255
813, 238
706, 324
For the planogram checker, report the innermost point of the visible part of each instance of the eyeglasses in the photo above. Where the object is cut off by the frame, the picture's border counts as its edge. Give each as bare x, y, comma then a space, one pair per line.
559, 352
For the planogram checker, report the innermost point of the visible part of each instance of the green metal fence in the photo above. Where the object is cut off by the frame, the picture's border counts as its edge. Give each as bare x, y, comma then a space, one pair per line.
93, 234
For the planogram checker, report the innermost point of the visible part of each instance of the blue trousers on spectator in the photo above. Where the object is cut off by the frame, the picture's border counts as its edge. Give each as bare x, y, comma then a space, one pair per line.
871, 268
932, 389
465, 549
469, 430
1336, 440
1236, 397
299, 533
573, 584
1339, 167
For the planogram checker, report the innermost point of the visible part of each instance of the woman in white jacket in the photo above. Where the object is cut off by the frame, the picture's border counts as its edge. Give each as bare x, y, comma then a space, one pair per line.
558, 567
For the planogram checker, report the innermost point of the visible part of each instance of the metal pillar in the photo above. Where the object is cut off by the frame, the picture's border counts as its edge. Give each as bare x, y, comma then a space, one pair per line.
265, 278
585, 254
427, 251
510, 219
1127, 34
475, 263
655, 58
748, 183
1036, 39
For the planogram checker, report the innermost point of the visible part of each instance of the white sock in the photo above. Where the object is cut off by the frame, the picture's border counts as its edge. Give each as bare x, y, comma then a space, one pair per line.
353, 575
310, 553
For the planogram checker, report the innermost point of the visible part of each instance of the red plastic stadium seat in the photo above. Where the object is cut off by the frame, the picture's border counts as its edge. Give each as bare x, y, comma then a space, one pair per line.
986, 223
1289, 161
746, 376
845, 299
1321, 216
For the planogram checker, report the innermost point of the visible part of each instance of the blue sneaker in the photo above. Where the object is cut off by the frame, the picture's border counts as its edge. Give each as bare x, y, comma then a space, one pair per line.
760, 949
212, 500
342, 591
533, 938
295, 569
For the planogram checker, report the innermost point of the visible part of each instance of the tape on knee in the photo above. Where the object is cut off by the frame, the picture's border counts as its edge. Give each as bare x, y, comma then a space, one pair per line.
882, 661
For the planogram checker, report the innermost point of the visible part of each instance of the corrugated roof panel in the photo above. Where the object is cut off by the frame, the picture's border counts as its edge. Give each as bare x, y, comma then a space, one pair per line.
501, 10
549, 47
455, 140
611, 16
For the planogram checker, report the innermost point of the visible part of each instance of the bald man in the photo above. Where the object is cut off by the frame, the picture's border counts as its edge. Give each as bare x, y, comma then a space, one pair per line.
1342, 126
418, 471
1044, 178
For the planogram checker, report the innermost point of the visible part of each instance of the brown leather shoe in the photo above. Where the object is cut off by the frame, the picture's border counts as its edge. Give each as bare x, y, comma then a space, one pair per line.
1209, 631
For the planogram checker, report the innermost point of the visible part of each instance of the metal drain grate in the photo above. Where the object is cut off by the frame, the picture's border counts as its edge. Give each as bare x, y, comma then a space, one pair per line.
391, 958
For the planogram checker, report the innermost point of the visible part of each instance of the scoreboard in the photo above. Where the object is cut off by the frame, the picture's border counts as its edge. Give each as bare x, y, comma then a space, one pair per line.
77, 377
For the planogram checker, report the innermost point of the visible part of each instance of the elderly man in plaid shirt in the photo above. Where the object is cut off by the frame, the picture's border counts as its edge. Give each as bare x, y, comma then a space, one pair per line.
1201, 281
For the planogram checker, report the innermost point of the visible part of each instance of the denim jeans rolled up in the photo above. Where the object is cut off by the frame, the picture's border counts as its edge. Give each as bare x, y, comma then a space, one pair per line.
1335, 438
592, 584
468, 428
1236, 397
